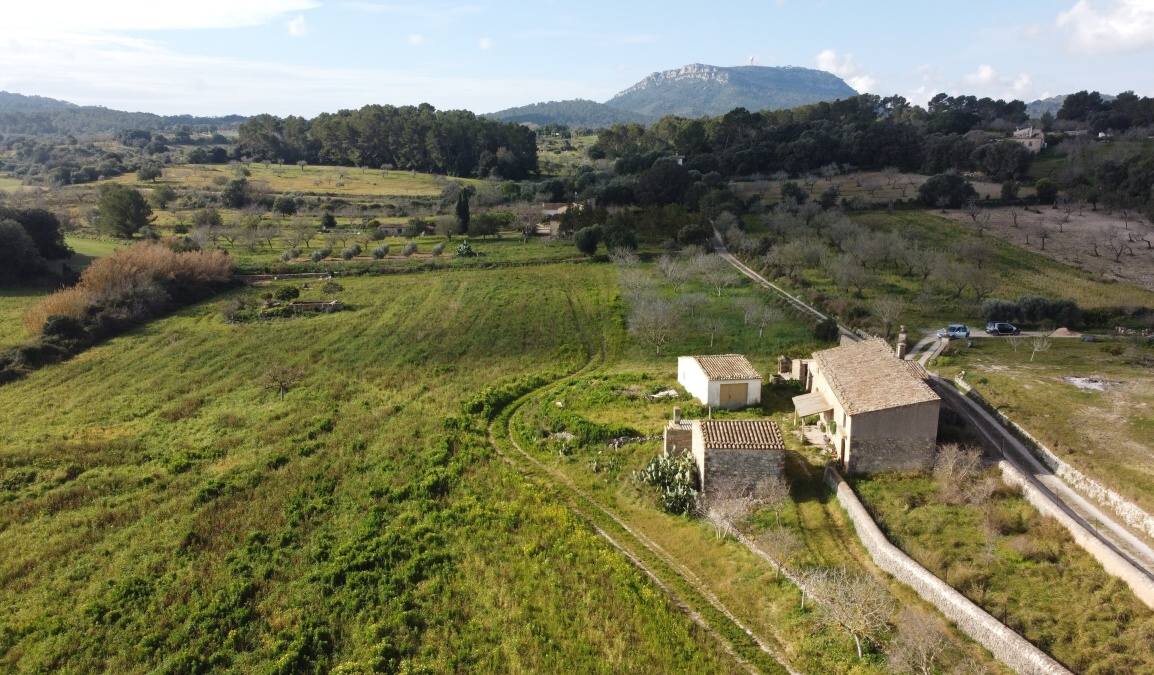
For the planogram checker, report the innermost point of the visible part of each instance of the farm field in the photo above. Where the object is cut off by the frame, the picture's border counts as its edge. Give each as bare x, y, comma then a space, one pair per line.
1014, 270
1108, 433
1125, 247
162, 508
311, 180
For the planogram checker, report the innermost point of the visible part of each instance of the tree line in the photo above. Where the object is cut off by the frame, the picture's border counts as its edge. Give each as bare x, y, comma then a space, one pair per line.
420, 138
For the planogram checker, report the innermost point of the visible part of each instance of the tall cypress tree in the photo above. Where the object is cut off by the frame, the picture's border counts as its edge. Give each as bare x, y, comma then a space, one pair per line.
463, 211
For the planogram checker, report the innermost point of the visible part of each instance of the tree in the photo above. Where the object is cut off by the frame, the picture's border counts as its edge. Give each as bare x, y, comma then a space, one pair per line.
285, 205
653, 319
888, 309
43, 227
1038, 344
328, 221
855, 603
781, 544
587, 238
162, 196
1046, 190
714, 271
286, 293
462, 210
235, 193
122, 210
826, 330
946, 190
772, 492
724, 509
148, 172
919, 643
282, 378
20, 260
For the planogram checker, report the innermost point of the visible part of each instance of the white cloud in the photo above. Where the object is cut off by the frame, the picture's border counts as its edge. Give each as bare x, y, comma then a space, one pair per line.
984, 75
485, 43
847, 69
133, 15
1021, 83
416, 39
1120, 25
297, 27
414, 10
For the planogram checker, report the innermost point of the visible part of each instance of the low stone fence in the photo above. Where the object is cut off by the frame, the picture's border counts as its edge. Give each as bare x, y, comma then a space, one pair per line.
1009, 647
1129, 512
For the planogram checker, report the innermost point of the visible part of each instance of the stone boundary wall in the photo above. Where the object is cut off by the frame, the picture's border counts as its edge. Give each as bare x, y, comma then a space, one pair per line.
1129, 512
1009, 647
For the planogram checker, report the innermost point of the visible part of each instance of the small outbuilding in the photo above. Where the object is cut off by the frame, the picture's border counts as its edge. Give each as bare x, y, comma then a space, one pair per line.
720, 380
877, 409
732, 456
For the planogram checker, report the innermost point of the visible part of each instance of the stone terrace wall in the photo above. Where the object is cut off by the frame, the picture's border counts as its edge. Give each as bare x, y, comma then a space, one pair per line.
1129, 512
1009, 647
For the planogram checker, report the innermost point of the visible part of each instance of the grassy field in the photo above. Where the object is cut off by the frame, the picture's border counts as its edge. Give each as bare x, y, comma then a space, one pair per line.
1018, 272
1023, 569
163, 509
10, 183
319, 180
1108, 434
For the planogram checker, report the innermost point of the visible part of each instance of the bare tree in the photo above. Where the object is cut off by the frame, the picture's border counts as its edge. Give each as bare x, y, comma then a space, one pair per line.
765, 317
1014, 212
724, 509
624, 257
955, 276
955, 469
919, 643
973, 209
674, 270
282, 377
1117, 245
848, 273
781, 544
653, 320
1038, 344
1015, 342
713, 325
772, 492
984, 285
715, 272
888, 309
856, 603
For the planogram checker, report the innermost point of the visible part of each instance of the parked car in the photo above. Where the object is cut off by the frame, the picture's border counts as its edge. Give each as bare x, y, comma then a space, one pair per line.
1002, 328
955, 331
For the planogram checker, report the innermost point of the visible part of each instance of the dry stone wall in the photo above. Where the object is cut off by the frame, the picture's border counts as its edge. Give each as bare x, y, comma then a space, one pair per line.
1009, 647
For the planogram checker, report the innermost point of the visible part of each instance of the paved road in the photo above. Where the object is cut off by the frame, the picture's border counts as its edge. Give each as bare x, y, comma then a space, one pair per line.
1134, 552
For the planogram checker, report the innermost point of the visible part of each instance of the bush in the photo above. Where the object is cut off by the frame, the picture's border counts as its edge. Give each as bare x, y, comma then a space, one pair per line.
320, 255
331, 288
351, 252
438, 249
290, 254
947, 190
826, 330
381, 251
465, 250
587, 238
286, 293
409, 249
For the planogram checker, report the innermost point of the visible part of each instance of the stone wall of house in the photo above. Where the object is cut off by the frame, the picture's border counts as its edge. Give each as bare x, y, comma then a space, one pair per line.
1009, 647
894, 439
738, 471
1130, 513
678, 439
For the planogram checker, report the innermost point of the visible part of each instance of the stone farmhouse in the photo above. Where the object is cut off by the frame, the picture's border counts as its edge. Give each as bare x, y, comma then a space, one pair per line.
1032, 138
732, 456
878, 411
721, 380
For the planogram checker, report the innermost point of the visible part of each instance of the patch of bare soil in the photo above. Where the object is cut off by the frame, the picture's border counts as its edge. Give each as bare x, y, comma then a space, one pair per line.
1105, 244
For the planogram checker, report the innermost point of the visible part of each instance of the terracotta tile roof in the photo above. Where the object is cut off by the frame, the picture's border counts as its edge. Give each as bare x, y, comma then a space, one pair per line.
867, 376
743, 434
727, 367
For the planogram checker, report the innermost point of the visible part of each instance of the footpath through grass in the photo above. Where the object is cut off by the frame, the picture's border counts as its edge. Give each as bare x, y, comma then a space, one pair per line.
162, 508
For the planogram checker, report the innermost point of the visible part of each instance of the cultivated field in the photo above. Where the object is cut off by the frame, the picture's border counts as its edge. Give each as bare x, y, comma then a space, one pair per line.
1104, 244
1103, 424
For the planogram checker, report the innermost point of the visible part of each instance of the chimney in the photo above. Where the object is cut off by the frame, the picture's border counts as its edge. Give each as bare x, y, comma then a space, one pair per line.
902, 346
677, 414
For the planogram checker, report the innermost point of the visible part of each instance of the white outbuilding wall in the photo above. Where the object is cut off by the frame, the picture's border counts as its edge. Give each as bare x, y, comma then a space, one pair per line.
691, 376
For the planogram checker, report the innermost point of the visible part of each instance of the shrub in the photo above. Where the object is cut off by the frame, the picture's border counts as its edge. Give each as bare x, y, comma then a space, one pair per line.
286, 293
1046, 190
826, 330
331, 287
378, 234
351, 252
465, 250
381, 251
946, 190
409, 249
587, 238
290, 254
320, 255
438, 249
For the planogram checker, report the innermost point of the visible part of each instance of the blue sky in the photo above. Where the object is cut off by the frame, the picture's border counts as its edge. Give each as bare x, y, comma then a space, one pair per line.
308, 56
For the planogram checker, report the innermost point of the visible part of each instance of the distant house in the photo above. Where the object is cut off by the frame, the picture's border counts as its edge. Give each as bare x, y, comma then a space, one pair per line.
877, 409
720, 380
1032, 138
732, 456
